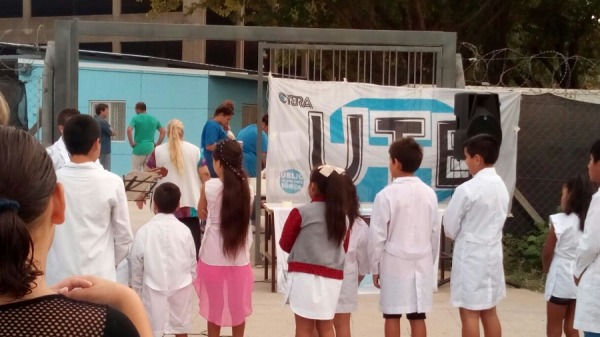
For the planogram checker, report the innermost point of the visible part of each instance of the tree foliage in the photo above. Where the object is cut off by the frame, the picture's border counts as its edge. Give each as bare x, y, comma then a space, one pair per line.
563, 33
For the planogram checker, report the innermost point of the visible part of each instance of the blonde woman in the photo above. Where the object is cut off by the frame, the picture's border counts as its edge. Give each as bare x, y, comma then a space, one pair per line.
181, 158
4, 111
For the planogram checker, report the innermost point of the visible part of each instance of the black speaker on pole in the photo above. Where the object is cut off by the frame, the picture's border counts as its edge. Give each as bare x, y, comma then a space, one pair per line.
475, 114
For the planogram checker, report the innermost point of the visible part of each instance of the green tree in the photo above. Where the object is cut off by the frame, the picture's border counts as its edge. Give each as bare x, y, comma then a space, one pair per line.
563, 33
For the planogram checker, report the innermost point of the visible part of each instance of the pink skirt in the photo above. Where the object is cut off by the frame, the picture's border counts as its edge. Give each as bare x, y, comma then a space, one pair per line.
225, 293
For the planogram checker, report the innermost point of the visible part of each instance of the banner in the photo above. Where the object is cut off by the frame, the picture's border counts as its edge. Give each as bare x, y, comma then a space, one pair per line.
351, 125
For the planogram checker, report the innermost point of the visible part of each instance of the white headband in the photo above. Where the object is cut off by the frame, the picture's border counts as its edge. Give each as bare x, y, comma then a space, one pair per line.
327, 170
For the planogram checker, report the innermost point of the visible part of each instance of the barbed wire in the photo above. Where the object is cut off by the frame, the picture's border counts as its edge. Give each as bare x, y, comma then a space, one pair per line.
549, 68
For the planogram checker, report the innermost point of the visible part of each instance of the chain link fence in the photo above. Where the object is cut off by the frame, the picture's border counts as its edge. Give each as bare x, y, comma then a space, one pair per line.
20, 84
554, 141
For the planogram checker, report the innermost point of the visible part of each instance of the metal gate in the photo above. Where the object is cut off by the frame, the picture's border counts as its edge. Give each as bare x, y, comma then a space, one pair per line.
371, 56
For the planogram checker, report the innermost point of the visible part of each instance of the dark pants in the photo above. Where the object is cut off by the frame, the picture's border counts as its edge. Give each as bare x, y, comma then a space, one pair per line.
193, 223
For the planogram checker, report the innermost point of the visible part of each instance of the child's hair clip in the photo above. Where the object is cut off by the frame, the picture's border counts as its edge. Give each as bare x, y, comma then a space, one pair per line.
327, 170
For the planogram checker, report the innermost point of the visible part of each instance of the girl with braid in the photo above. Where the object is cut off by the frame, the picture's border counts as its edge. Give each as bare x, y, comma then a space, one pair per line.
224, 276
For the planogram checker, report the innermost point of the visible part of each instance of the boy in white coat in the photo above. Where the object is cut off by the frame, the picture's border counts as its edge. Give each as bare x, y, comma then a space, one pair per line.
96, 235
163, 266
474, 220
587, 261
403, 242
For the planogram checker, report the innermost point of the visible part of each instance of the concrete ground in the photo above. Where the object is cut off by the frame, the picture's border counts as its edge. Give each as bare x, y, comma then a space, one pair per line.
522, 313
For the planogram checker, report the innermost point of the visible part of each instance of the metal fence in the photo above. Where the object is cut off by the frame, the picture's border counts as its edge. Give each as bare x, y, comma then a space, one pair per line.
19, 100
554, 141
384, 65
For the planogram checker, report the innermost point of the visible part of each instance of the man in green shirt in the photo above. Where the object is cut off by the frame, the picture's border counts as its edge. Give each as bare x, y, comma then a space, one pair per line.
142, 142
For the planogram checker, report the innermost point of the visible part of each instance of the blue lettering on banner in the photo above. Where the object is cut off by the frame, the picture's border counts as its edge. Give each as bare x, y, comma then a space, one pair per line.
385, 104
388, 128
291, 181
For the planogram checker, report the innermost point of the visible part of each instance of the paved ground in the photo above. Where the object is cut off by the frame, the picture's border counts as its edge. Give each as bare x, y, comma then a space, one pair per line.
522, 313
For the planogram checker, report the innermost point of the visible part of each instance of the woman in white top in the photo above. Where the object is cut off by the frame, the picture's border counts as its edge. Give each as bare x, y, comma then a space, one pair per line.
560, 249
356, 263
181, 158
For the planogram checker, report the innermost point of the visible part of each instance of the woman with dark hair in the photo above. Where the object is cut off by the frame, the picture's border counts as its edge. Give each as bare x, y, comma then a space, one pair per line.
31, 202
213, 132
224, 276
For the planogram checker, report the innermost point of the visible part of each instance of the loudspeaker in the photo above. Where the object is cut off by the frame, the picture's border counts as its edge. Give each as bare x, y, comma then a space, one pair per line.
475, 114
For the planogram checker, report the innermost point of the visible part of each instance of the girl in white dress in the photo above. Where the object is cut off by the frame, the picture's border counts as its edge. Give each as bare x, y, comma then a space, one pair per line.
356, 263
560, 249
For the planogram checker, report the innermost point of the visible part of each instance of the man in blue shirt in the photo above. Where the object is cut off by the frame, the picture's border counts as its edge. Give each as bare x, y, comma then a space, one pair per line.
248, 136
213, 132
105, 135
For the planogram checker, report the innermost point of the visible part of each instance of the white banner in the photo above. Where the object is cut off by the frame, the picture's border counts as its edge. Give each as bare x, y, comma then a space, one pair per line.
351, 125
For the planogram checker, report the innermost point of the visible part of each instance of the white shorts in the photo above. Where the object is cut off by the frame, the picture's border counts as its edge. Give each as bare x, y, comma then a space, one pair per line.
311, 296
170, 312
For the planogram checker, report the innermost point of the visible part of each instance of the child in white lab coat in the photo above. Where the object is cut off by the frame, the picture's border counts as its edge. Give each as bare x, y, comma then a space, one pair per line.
561, 244
356, 263
474, 220
587, 262
96, 235
163, 266
403, 242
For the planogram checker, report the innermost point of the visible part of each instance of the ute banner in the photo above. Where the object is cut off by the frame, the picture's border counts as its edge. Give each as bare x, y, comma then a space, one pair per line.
351, 125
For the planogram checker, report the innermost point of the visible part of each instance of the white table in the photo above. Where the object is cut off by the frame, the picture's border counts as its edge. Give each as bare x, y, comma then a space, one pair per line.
277, 214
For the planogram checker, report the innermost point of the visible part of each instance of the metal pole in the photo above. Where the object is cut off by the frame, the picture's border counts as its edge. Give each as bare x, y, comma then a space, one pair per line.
257, 196
66, 67
48, 96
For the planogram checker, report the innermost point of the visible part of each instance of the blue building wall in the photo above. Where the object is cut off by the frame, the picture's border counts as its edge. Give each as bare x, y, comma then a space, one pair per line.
167, 96
240, 91
188, 96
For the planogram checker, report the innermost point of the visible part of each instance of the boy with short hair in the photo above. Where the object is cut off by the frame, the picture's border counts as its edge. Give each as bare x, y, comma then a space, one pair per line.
163, 266
474, 220
403, 241
96, 234
587, 262
58, 151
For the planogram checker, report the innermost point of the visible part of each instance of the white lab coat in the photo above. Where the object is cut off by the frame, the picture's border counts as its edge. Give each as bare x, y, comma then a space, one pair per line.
559, 282
403, 243
356, 263
163, 255
60, 156
188, 181
474, 219
96, 234
587, 262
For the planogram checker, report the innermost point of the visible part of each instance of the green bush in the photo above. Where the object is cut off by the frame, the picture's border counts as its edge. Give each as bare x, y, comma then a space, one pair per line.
523, 258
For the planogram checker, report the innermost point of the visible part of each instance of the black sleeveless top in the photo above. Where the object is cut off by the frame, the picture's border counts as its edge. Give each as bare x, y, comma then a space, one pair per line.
57, 316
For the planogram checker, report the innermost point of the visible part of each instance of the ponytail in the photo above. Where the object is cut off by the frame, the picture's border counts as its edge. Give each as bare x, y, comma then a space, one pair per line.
17, 268
27, 180
333, 187
580, 193
175, 133
352, 200
235, 207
